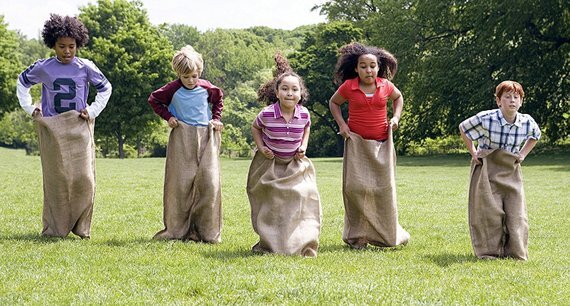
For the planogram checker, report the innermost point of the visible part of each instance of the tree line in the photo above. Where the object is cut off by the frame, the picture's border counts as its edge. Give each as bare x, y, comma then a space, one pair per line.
451, 56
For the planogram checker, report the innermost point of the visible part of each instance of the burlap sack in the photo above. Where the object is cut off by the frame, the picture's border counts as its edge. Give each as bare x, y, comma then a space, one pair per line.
285, 205
369, 190
67, 152
192, 187
497, 210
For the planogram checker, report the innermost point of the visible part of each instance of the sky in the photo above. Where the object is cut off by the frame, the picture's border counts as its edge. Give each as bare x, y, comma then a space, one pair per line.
28, 16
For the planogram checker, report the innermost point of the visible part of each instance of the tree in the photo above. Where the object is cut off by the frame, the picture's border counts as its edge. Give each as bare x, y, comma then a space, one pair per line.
10, 67
135, 58
180, 35
348, 10
315, 62
18, 131
240, 109
453, 53
232, 57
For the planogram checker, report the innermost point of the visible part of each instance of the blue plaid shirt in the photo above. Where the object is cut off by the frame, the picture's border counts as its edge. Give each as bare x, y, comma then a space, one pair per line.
492, 131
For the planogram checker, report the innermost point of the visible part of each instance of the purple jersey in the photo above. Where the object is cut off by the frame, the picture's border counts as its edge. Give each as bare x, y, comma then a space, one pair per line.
64, 86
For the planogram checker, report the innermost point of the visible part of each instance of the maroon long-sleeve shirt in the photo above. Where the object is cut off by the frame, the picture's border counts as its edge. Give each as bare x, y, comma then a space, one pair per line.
161, 98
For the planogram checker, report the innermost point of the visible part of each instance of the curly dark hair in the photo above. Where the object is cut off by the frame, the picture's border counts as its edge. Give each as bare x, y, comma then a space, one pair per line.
348, 60
64, 26
267, 93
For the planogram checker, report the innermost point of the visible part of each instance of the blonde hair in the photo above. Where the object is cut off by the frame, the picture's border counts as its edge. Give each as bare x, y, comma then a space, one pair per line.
187, 60
507, 86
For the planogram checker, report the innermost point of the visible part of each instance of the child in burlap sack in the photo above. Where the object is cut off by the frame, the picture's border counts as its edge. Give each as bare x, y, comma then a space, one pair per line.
65, 124
369, 188
281, 183
498, 219
192, 187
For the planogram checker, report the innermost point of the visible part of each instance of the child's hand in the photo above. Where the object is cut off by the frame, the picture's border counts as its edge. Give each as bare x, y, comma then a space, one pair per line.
37, 113
267, 152
172, 122
476, 160
300, 153
84, 114
218, 125
344, 131
520, 158
394, 122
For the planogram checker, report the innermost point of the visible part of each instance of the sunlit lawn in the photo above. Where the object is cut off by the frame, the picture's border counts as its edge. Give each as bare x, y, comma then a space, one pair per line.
122, 265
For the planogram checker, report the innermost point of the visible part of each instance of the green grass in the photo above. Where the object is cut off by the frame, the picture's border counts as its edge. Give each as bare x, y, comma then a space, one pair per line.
122, 265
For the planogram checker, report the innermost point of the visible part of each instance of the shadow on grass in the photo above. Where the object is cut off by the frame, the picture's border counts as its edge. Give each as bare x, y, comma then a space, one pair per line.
36, 237
345, 248
125, 242
446, 260
230, 254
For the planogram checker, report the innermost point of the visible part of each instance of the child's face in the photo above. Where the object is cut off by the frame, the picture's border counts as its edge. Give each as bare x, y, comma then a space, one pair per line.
190, 80
367, 68
65, 49
509, 102
289, 92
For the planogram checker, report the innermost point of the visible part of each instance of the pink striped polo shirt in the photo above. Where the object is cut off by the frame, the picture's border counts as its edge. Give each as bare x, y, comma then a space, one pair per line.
283, 138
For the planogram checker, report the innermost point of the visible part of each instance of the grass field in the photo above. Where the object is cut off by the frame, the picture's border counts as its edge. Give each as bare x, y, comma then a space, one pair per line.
122, 265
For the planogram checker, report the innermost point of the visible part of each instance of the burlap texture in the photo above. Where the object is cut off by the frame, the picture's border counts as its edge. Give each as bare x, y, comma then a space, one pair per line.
67, 152
285, 205
369, 191
192, 186
498, 220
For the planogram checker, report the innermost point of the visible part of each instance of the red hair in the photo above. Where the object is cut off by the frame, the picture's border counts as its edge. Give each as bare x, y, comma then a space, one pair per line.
507, 86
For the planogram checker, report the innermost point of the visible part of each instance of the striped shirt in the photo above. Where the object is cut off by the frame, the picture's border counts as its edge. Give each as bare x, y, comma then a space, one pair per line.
492, 131
283, 138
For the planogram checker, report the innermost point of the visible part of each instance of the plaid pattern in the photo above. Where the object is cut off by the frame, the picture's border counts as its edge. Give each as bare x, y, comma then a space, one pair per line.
492, 131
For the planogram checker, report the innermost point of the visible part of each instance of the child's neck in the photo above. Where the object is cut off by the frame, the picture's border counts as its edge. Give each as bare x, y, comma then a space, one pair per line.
287, 112
510, 118
367, 88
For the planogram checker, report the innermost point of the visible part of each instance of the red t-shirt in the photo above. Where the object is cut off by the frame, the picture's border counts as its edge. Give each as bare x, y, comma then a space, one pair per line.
367, 116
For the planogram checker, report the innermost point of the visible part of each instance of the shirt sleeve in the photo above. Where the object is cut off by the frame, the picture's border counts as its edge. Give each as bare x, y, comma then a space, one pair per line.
32, 74
26, 79
308, 117
473, 127
259, 120
24, 97
103, 87
534, 130
344, 89
216, 97
160, 99
389, 87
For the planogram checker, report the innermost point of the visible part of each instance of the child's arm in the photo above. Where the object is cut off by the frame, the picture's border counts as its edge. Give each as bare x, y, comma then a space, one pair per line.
101, 99
470, 146
397, 106
25, 98
527, 147
304, 143
216, 97
161, 98
334, 105
257, 137
103, 87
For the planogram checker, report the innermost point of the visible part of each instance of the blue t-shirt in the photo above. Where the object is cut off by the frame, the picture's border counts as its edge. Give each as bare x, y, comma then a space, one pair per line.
191, 106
